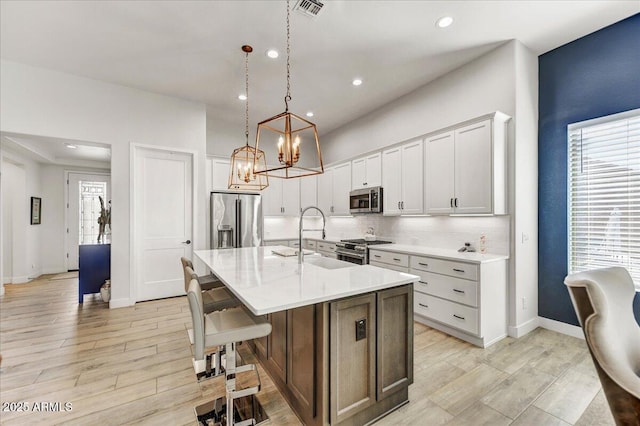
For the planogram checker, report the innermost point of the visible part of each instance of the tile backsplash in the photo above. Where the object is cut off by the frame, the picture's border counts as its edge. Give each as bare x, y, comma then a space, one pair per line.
432, 231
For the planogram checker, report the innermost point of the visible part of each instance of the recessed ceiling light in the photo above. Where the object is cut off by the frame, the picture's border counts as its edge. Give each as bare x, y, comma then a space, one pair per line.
356, 82
310, 114
272, 53
444, 22
70, 145
242, 97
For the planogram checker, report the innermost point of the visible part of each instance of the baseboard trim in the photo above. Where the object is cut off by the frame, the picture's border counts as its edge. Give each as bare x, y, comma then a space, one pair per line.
47, 271
524, 328
121, 303
561, 327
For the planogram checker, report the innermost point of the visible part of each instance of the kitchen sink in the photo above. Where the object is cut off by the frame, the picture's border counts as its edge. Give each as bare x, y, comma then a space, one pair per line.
327, 262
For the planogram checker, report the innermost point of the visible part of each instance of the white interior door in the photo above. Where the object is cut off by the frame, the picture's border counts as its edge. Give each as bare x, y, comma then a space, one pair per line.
163, 221
73, 213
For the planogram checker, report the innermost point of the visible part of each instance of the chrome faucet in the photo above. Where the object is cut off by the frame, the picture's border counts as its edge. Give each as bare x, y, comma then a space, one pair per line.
324, 222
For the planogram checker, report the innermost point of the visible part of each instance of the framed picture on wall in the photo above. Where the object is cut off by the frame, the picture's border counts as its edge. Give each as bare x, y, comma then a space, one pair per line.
36, 210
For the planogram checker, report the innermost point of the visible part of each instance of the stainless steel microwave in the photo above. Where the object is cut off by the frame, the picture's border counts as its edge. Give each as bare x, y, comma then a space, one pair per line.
366, 200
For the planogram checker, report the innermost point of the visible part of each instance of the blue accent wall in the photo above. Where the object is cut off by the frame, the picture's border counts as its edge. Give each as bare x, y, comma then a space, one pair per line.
593, 76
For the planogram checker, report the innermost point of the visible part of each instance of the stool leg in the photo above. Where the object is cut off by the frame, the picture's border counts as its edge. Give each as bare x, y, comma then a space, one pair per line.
218, 360
230, 379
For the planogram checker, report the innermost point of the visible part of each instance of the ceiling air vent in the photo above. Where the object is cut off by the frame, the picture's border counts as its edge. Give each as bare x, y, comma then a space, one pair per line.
308, 7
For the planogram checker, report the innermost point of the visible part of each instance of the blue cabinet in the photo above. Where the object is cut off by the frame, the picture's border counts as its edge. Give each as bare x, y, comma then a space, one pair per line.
94, 268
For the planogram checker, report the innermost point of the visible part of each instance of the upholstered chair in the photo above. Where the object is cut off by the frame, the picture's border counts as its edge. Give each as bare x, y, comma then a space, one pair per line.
603, 301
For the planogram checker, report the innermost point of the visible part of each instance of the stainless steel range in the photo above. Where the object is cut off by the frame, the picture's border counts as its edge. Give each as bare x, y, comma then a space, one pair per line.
356, 251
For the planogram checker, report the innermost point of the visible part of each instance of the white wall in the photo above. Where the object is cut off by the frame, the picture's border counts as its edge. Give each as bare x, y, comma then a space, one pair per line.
20, 240
524, 199
41, 102
505, 80
480, 87
223, 136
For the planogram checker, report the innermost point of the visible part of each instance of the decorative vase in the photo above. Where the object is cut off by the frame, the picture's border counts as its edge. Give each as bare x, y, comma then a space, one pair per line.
105, 291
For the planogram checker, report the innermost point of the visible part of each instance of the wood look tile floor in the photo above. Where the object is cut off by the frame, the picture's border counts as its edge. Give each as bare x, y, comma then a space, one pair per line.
133, 366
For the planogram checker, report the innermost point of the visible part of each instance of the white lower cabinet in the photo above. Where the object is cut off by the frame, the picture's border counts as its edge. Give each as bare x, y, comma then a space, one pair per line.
465, 299
326, 249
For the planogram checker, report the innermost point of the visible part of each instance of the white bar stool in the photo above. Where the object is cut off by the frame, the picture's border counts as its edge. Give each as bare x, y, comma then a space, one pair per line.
226, 328
215, 299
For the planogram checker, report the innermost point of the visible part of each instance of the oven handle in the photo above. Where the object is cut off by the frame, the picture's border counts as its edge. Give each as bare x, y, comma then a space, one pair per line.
350, 254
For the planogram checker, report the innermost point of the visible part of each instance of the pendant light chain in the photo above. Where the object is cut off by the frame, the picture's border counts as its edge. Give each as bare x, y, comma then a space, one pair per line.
287, 98
246, 91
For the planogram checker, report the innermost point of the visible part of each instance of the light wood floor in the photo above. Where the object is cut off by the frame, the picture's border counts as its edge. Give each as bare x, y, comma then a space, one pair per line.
133, 366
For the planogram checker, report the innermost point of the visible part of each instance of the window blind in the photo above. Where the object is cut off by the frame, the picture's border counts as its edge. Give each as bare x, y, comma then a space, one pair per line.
604, 194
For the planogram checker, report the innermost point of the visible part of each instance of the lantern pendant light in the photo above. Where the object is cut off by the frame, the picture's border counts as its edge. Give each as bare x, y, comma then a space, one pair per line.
290, 142
244, 160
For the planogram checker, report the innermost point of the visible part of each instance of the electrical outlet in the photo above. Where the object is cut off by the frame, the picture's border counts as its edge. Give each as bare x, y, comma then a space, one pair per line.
525, 238
361, 329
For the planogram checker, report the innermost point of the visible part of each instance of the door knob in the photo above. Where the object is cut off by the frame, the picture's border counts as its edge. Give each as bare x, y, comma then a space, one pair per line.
186, 242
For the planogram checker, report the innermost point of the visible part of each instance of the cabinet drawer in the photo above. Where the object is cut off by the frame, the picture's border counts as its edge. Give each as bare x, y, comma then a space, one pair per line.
446, 312
447, 267
387, 266
294, 243
325, 246
455, 289
309, 244
389, 257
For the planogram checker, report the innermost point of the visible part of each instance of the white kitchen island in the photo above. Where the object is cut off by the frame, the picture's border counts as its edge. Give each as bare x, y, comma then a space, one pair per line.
341, 346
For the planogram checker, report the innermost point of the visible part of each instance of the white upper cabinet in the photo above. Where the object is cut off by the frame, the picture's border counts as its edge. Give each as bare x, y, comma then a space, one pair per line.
466, 169
325, 191
217, 173
282, 197
309, 193
402, 179
412, 178
341, 188
334, 186
290, 196
473, 164
439, 164
272, 198
391, 181
366, 172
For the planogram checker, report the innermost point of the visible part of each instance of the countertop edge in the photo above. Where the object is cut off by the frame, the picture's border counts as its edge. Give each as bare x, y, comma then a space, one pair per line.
448, 254
332, 298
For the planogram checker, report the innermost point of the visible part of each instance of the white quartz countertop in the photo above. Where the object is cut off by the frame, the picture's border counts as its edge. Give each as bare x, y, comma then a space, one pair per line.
473, 257
266, 282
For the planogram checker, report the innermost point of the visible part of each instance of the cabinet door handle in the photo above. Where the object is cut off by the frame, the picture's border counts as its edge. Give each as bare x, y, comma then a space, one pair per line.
451, 202
458, 291
455, 202
423, 264
459, 270
459, 317
398, 205
376, 256
364, 183
423, 305
423, 282
396, 259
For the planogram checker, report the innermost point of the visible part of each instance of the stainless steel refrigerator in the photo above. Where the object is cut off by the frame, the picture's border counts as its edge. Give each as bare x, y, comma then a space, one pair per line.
236, 219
